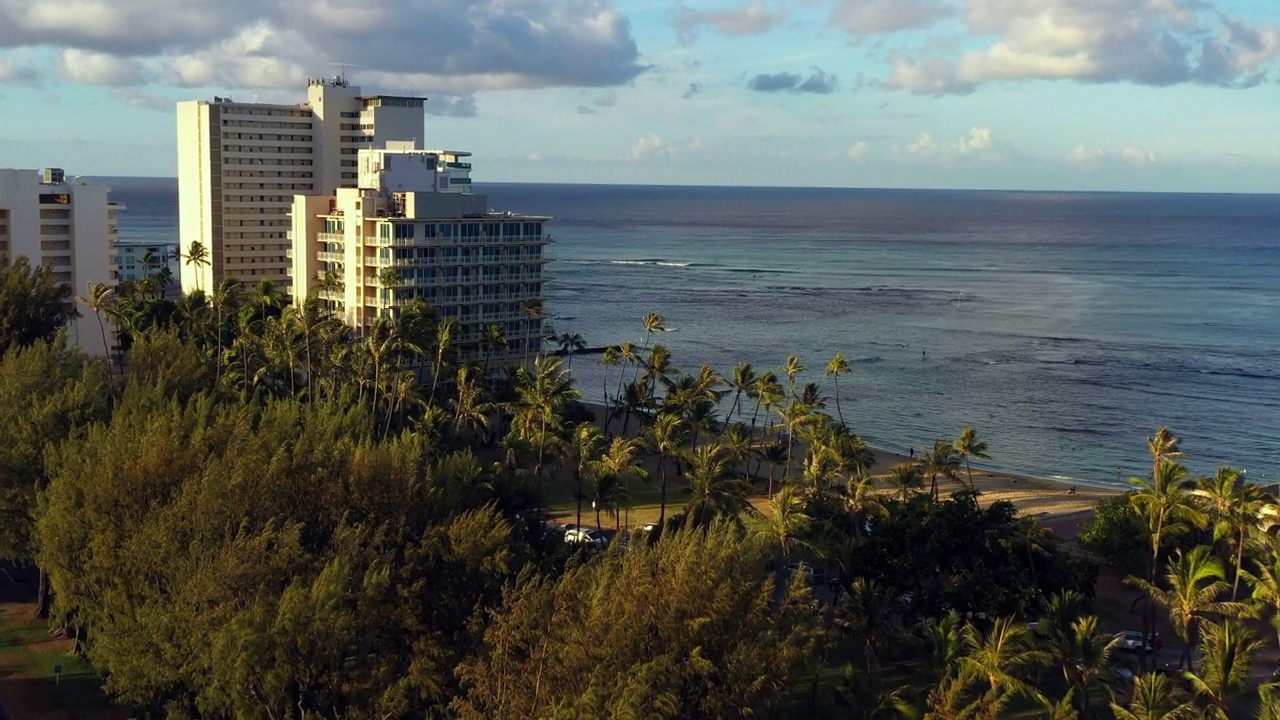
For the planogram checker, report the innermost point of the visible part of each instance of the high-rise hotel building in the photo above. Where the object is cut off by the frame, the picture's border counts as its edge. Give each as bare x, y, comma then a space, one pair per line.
411, 228
70, 227
240, 164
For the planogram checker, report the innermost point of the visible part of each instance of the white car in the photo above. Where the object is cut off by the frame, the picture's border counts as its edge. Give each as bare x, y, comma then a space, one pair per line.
1131, 641
583, 536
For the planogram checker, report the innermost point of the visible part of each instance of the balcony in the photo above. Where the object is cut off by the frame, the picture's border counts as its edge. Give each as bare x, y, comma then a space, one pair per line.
334, 257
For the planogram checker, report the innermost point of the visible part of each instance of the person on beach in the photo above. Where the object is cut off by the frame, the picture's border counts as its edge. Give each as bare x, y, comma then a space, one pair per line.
913, 453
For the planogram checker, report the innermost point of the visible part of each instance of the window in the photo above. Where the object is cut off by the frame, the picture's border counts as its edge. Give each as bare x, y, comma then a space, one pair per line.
404, 231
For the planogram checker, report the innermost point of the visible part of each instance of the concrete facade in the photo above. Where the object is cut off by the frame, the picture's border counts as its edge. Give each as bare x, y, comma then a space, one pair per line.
240, 164
411, 214
69, 226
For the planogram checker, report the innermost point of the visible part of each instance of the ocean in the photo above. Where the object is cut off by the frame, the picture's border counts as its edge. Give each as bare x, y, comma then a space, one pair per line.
1065, 327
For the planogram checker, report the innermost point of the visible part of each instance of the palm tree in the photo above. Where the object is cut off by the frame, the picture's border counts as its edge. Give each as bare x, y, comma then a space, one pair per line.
667, 438
791, 369
837, 367
908, 477
268, 297
1232, 507
1034, 539
101, 297
1161, 502
470, 411
198, 255
610, 358
969, 446
944, 642
653, 322
543, 396
622, 459
532, 310
717, 491
494, 340
775, 456
744, 378
1195, 582
862, 501
1003, 656
1266, 590
578, 452
1078, 645
941, 460
1226, 658
570, 344
767, 393
738, 441
444, 343
1155, 698
788, 523
792, 417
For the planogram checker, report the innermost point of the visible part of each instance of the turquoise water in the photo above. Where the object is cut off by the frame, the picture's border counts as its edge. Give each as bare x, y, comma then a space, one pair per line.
1065, 326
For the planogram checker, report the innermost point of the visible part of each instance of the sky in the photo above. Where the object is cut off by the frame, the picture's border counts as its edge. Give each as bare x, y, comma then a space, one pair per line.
1146, 95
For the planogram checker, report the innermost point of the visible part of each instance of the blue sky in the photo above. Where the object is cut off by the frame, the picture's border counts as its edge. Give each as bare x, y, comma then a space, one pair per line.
1179, 95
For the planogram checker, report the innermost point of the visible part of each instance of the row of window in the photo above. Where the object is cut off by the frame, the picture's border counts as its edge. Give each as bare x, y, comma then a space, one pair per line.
267, 173
278, 149
266, 186
269, 112
259, 198
255, 235
267, 125
408, 231
257, 223
265, 136
265, 161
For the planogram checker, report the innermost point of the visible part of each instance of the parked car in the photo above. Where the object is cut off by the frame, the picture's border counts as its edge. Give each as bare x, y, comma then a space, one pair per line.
583, 536
814, 575
1132, 641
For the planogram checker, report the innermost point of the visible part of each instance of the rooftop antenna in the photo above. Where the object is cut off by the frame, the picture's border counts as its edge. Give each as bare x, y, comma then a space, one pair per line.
341, 79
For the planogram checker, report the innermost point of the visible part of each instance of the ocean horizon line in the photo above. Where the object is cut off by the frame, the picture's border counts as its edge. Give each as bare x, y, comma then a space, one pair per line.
869, 189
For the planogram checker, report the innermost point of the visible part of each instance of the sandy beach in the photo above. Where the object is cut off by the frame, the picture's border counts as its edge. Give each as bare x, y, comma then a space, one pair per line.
1059, 504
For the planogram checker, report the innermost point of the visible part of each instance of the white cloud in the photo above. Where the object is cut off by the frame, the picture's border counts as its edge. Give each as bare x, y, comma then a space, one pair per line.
1149, 42
870, 17
430, 45
11, 72
137, 98
653, 147
858, 150
753, 18
978, 143
94, 68
1133, 154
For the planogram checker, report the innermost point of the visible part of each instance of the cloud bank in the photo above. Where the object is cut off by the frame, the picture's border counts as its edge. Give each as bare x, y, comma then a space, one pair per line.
440, 46
1147, 42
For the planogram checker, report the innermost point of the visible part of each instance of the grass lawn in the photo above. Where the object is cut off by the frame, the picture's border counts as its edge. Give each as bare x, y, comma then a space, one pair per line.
28, 686
644, 507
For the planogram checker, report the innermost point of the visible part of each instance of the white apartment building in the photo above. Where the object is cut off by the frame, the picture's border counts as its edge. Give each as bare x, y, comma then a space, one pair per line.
68, 226
135, 260
240, 164
413, 211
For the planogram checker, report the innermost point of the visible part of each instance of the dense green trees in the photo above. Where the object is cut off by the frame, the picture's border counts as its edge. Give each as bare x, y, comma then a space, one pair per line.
691, 627
34, 305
